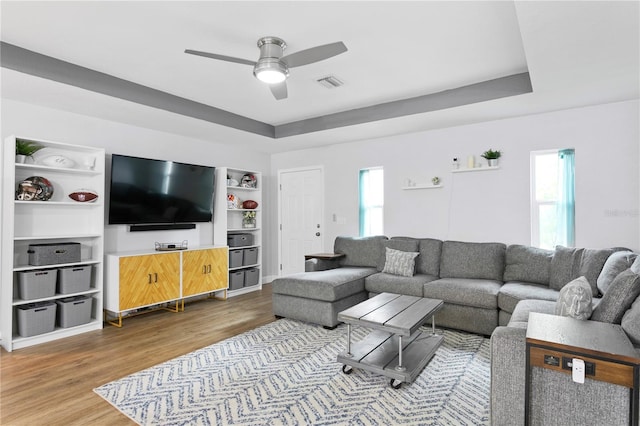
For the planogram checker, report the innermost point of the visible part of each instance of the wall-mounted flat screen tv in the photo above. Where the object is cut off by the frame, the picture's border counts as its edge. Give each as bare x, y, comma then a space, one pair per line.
147, 191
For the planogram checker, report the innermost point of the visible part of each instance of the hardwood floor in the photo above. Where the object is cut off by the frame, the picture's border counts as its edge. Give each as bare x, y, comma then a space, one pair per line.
52, 383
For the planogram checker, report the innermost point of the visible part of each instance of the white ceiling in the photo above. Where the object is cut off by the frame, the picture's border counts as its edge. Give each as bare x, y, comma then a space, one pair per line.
577, 54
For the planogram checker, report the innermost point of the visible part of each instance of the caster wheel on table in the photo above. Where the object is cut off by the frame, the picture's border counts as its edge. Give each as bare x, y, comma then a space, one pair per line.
347, 369
396, 384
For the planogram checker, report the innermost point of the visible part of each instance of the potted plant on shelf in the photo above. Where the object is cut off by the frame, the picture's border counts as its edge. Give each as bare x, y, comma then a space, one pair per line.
492, 157
249, 219
26, 149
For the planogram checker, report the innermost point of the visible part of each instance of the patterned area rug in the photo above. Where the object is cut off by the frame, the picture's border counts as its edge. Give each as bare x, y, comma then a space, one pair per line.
285, 373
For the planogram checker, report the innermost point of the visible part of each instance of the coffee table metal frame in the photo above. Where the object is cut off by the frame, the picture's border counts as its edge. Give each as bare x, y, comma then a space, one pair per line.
396, 348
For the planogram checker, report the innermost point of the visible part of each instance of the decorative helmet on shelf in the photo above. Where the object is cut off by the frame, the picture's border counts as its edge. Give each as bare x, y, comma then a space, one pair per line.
34, 188
249, 181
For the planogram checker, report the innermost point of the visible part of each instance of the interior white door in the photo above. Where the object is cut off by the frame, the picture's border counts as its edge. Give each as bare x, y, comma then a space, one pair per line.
301, 227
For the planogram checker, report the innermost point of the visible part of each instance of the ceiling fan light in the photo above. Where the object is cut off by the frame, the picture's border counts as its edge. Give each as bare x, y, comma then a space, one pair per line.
271, 71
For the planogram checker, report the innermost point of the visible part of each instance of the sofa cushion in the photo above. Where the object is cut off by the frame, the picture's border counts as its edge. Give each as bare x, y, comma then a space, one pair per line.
329, 285
387, 283
465, 291
622, 292
564, 266
527, 264
575, 300
616, 263
524, 308
635, 267
591, 263
472, 260
513, 292
631, 322
402, 244
569, 263
399, 262
365, 251
429, 260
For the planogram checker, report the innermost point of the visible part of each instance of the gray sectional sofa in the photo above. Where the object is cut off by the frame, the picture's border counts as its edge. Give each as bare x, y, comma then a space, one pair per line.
488, 288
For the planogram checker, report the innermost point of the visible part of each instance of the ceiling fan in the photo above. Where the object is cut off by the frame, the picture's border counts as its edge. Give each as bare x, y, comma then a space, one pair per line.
272, 67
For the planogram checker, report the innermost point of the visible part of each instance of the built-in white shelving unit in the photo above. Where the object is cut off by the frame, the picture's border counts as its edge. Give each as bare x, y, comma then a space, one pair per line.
228, 221
420, 186
57, 220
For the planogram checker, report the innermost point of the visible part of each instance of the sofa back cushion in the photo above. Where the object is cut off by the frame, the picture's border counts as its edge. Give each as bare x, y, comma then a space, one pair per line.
619, 297
428, 262
631, 322
527, 264
361, 251
616, 263
472, 260
569, 263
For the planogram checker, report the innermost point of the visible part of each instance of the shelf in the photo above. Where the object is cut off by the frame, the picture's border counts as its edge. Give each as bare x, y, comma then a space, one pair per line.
243, 210
425, 186
242, 229
55, 237
58, 203
59, 332
244, 247
475, 169
38, 167
244, 267
244, 188
54, 266
19, 302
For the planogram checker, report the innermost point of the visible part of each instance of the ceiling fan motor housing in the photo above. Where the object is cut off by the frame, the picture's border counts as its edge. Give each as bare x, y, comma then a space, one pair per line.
271, 50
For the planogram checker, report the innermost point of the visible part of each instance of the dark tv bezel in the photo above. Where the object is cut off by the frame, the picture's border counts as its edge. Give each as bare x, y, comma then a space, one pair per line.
148, 226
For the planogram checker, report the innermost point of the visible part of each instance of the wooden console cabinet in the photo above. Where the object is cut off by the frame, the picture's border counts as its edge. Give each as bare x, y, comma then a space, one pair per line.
143, 279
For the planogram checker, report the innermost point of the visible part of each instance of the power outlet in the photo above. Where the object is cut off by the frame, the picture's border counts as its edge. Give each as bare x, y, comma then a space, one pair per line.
589, 367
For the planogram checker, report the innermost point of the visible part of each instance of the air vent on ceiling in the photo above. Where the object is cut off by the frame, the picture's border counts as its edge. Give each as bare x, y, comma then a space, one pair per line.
330, 81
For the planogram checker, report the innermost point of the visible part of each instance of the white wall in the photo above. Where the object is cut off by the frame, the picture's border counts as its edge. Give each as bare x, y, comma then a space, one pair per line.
28, 120
490, 205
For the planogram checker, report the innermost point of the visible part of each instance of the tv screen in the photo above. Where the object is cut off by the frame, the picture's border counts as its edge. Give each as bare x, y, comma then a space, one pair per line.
146, 191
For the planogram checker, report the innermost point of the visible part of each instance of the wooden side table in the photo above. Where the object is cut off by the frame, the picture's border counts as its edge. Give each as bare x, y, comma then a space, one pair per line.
324, 256
609, 356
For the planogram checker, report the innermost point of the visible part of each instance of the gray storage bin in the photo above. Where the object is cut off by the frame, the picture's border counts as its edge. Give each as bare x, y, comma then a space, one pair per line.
239, 240
53, 253
36, 284
251, 277
74, 279
250, 256
235, 258
74, 311
236, 280
36, 318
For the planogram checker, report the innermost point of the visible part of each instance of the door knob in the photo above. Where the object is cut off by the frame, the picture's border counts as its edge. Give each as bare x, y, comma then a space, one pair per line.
317, 234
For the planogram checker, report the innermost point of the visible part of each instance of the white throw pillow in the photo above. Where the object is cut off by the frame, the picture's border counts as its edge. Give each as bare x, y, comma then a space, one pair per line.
400, 262
575, 300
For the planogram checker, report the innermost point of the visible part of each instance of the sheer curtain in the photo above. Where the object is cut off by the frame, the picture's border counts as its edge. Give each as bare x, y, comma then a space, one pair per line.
566, 206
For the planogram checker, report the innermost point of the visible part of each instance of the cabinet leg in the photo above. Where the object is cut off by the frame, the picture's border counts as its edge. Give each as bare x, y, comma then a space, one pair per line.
177, 307
113, 322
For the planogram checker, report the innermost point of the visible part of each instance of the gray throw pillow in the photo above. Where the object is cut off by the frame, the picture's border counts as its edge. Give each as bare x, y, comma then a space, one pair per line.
631, 322
624, 289
616, 263
400, 262
575, 300
591, 263
636, 266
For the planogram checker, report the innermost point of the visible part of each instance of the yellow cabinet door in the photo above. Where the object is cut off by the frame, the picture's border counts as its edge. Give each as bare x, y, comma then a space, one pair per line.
204, 271
150, 279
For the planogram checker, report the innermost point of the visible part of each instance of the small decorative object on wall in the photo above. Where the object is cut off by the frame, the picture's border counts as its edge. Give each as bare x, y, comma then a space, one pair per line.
84, 195
456, 163
34, 188
232, 201
249, 219
492, 157
435, 180
249, 181
25, 148
471, 162
249, 204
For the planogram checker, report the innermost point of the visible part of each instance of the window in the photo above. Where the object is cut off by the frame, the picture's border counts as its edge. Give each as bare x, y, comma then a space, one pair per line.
553, 198
371, 197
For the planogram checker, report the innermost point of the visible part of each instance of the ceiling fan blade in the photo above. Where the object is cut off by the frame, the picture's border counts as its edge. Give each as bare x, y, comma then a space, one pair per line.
279, 90
220, 57
314, 54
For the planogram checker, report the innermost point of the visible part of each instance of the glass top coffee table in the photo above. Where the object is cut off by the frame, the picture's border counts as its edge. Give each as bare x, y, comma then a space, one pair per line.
396, 348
